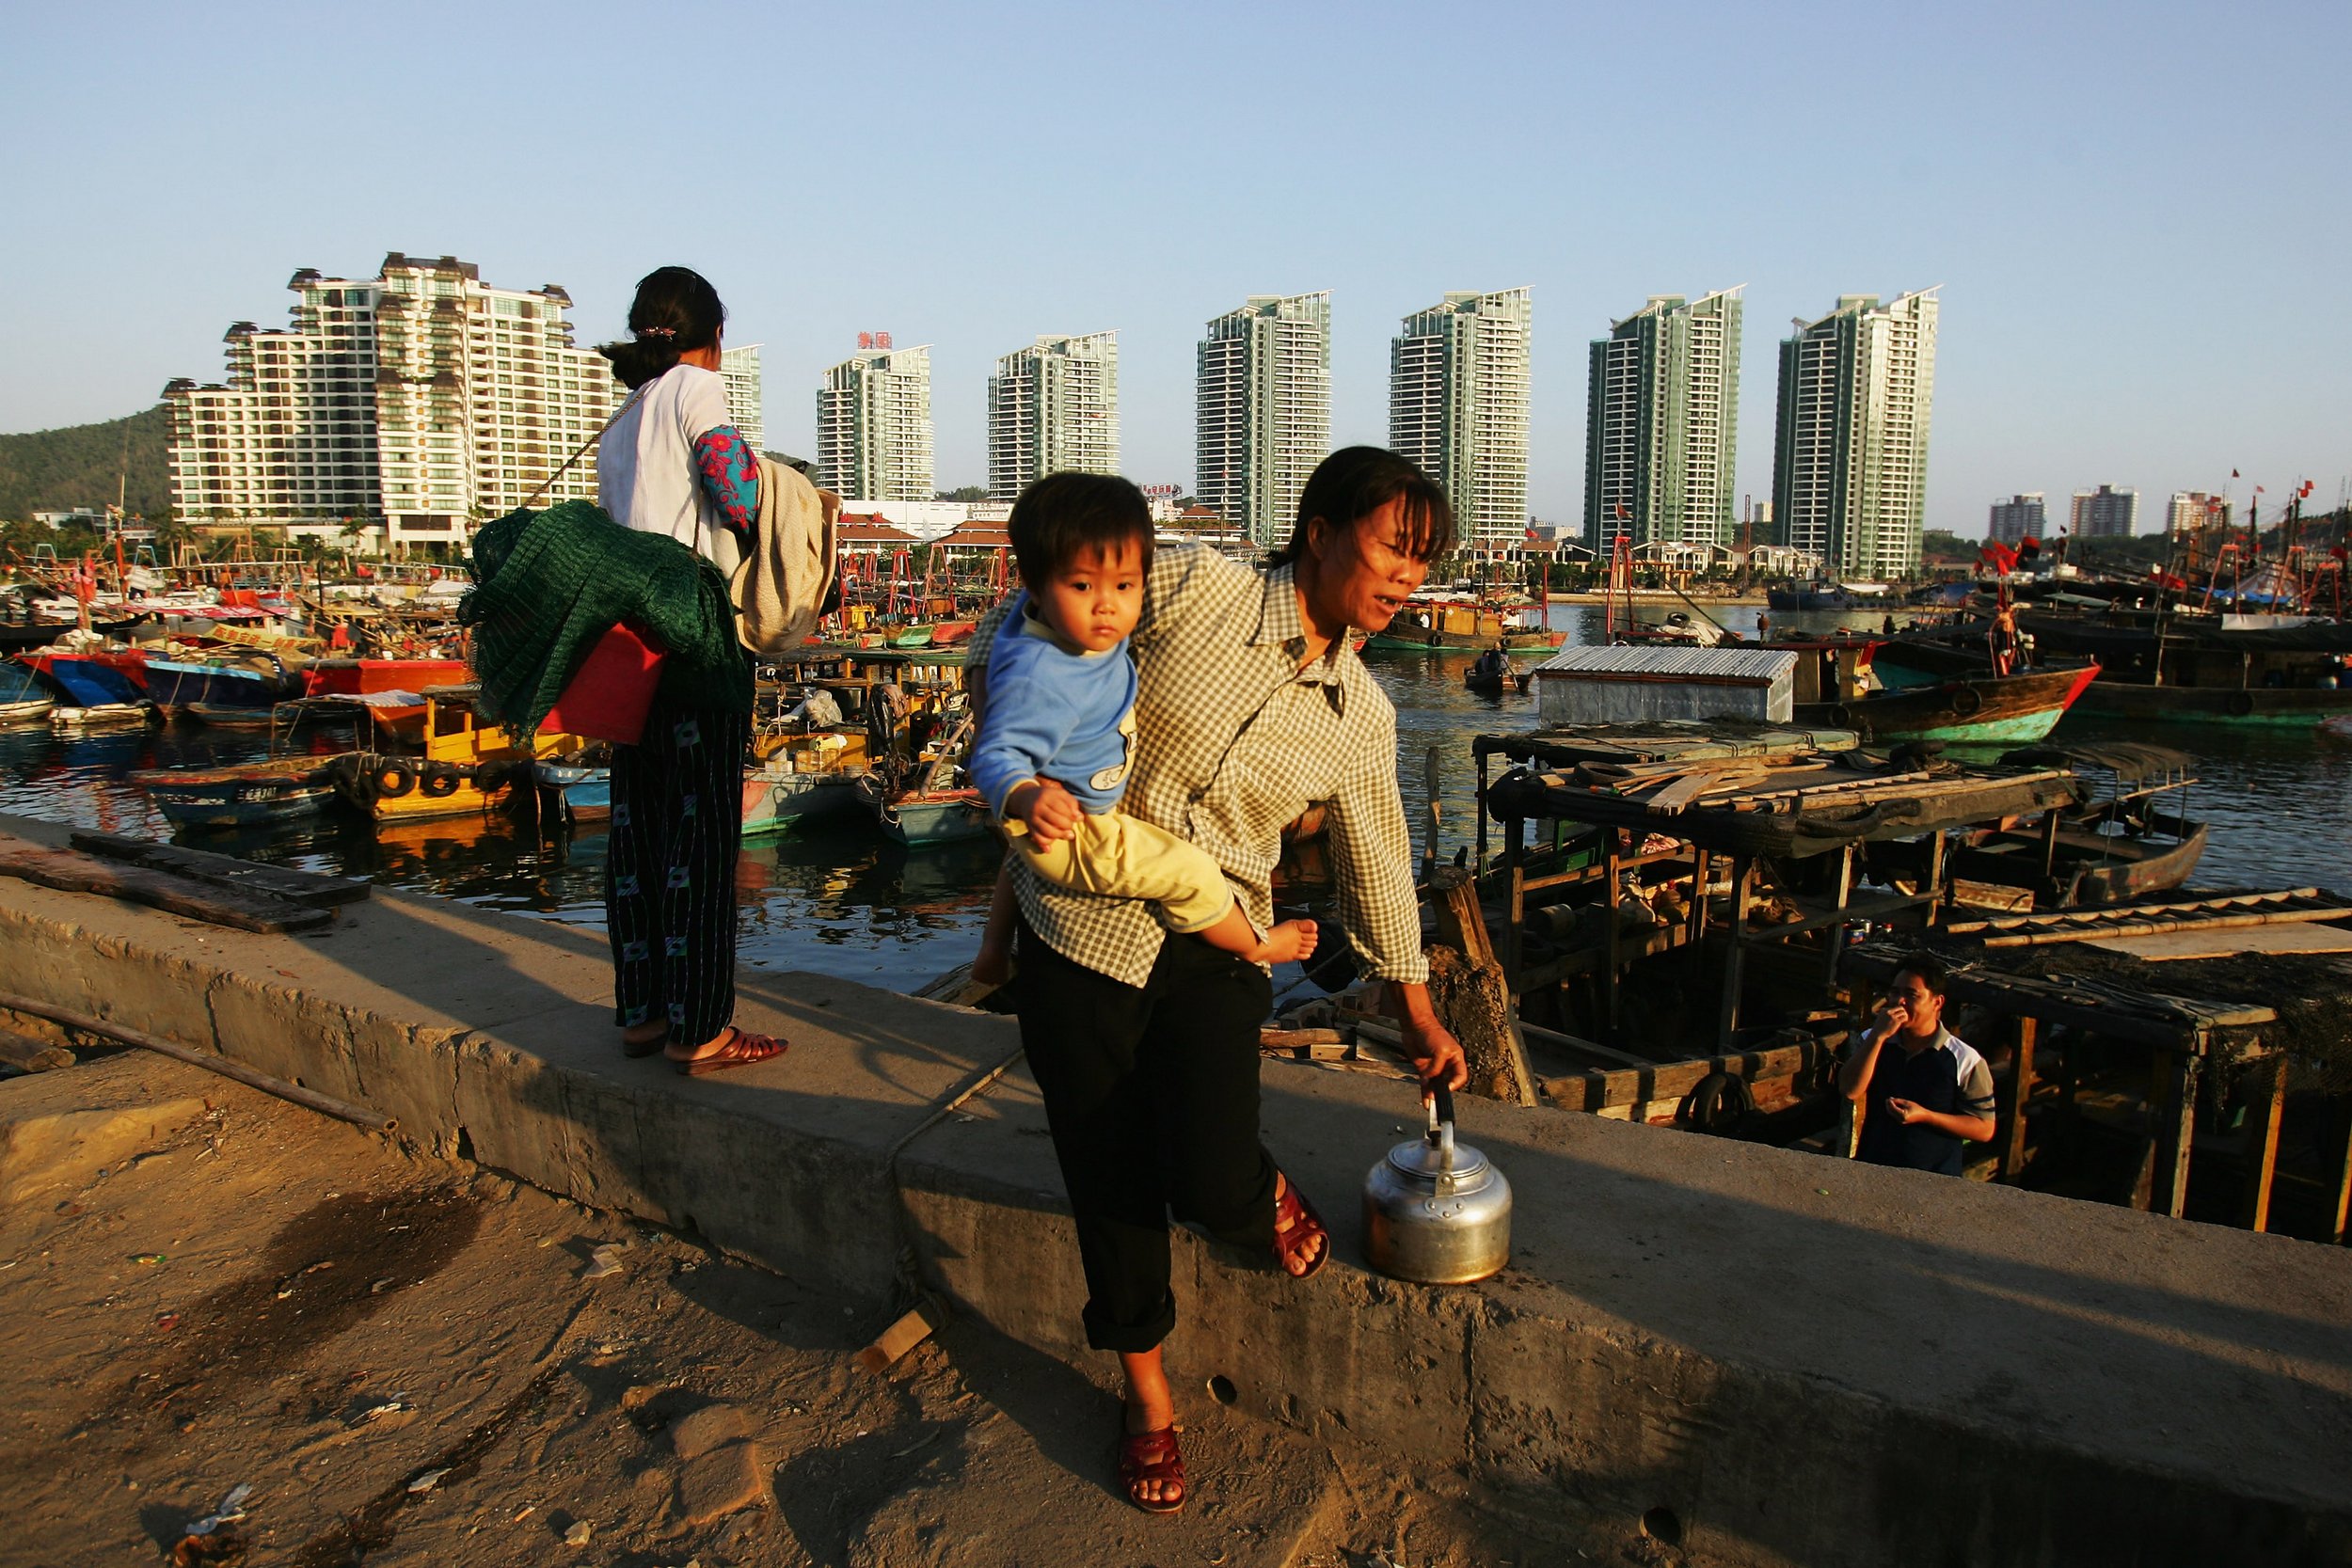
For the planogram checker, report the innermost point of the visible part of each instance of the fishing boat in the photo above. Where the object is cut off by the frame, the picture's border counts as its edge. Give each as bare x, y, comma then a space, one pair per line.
1890, 690
256, 681
468, 767
574, 792
807, 781
2185, 668
231, 717
245, 795
920, 817
1493, 673
1446, 619
79, 718
23, 700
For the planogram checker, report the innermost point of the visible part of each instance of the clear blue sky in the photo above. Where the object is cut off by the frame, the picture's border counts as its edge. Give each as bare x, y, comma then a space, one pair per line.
2137, 211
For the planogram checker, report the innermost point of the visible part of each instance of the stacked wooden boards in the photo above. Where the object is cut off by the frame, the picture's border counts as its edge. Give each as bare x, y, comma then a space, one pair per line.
219, 890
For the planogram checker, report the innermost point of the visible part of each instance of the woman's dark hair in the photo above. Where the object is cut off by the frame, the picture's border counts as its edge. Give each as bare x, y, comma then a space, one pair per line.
675, 311
1063, 513
1355, 481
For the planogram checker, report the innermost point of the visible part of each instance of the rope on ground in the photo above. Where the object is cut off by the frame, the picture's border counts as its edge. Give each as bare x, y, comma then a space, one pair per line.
910, 1289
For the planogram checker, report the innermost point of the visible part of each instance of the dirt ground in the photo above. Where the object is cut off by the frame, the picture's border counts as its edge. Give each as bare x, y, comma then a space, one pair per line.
411, 1361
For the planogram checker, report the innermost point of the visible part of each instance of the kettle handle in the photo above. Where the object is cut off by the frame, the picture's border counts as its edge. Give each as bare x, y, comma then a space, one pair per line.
1440, 1103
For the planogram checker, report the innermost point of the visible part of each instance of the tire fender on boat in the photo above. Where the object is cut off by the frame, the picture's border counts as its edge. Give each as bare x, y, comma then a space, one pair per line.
2237, 704
392, 782
441, 782
1966, 701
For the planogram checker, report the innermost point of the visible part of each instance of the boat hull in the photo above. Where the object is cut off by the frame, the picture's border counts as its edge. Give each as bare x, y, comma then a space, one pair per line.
1439, 641
778, 803
2253, 707
244, 796
1986, 711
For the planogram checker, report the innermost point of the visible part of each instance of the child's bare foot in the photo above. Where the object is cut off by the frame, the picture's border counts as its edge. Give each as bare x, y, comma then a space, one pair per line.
1290, 942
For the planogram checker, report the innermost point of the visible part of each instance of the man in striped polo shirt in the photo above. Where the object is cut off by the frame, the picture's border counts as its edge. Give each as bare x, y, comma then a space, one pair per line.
1922, 1089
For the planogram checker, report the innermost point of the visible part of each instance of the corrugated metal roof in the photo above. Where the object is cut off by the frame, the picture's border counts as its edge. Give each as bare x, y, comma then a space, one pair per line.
1740, 664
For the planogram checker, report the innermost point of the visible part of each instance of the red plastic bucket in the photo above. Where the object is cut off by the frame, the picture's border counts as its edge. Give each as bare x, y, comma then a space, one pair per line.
608, 698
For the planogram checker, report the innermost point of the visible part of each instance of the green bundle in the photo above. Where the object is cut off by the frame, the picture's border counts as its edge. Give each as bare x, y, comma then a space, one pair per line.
548, 585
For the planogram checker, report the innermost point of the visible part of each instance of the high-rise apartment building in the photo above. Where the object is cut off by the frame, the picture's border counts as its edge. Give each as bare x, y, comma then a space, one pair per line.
874, 425
1052, 407
421, 398
1457, 406
1264, 393
1849, 470
290, 437
2191, 510
2021, 516
2106, 512
1662, 433
746, 403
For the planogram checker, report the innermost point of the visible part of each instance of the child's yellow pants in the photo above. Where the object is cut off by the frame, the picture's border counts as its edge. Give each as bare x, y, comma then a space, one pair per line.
1115, 855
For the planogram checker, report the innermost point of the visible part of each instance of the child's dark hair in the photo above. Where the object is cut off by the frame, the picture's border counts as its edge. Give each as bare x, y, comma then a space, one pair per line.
1930, 971
1063, 513
676, 311
1355, 481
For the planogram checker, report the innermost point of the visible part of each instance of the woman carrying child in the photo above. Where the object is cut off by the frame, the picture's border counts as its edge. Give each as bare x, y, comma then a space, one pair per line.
674, 464
1247, 707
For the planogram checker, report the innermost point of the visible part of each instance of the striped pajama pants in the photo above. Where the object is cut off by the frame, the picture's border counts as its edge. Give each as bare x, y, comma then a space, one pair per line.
669, 877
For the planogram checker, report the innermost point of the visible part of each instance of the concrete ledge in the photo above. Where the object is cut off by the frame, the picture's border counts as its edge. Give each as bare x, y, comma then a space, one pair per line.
1805, 1361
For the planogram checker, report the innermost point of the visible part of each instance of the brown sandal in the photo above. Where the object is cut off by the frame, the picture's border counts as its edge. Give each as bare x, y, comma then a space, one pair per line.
1150, 1456
644, 1047
742, 1048
1296, 1225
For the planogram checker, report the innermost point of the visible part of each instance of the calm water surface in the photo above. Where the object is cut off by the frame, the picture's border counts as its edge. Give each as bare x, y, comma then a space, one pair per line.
850, 904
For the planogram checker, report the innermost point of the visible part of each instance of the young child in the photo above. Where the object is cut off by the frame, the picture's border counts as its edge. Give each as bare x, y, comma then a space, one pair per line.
1058, 727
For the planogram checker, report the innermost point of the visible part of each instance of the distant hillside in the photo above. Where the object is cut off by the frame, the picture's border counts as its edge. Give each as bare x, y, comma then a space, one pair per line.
79, 466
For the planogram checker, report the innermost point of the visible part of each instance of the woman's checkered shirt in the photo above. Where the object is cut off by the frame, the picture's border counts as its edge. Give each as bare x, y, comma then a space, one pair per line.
1235, 743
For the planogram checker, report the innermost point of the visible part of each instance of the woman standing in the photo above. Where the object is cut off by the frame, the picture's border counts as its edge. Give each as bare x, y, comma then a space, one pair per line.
671, 463
1250, 707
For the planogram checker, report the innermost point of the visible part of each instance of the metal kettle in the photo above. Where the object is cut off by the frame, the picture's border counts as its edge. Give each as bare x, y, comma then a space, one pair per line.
1436, 1212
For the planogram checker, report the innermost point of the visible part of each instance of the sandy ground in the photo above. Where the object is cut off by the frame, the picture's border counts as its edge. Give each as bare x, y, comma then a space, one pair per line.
416, 1362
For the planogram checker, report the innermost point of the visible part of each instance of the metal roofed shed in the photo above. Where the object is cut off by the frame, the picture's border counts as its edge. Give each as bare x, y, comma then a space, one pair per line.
1617, 685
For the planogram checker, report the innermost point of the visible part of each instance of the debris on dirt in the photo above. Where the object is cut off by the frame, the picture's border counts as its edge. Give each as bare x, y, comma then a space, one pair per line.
606, 1261
427, 1482
214, 1539
577, 1535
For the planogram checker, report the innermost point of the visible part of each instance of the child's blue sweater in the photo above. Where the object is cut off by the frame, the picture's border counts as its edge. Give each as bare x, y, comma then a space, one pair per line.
1054, 714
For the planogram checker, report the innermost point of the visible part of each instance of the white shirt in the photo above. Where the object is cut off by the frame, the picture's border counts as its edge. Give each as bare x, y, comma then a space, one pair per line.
645, 474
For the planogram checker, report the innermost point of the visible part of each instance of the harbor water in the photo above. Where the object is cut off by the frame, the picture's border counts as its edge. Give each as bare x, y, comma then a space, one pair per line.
846, 902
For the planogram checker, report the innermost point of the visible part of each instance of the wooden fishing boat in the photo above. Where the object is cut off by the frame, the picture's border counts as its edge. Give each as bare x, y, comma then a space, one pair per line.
1491, 674
574, 792
468, 767
246, 795
1431, 622
27, 710
919, 817
803, 785
2189, 668
102, 716
23, 698
178, 685
1975, 709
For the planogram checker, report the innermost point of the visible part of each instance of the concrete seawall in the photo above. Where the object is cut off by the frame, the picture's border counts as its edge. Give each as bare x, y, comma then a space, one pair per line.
1779, 1357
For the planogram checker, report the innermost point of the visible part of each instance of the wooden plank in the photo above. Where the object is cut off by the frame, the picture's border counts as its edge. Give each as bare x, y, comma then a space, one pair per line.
298, 887
2174, 1132
71, 872
1596, 1090
2267, 1102
2009, 1137
34, 1056
2218, 903
1681, 792
1727, 1016
2171, 946
903, 1336
2092, 930
2343, 1206
1471, 998
1461, 923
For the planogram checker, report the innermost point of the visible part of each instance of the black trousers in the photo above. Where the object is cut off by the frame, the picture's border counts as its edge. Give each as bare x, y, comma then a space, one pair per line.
1152, 1099
669, 875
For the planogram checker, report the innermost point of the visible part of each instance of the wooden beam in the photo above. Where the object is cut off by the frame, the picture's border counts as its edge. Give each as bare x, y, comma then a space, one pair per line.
202, 865
2008, 1138
1728, 1018
2342, 1209
1461, 923
2174, 1132
71, 872
2266, 1103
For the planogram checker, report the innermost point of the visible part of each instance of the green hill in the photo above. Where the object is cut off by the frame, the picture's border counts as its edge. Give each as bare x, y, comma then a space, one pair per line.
80, 465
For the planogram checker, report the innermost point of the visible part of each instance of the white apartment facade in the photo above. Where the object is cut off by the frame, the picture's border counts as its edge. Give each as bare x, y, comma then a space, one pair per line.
2106, 512
1662, 437
874, 425
1458, 376
1263, 392
411, 406
1052, 407
1849, 470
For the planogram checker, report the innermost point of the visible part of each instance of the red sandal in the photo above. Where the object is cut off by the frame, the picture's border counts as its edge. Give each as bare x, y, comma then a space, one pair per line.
742, 1048
1296, 1225
1150, 1456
